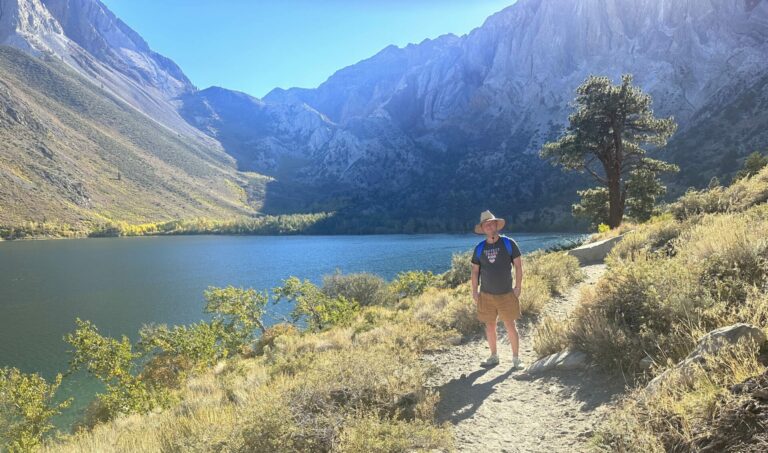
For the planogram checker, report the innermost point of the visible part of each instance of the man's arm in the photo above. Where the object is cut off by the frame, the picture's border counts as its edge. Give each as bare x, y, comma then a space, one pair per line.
475, 280
518, 262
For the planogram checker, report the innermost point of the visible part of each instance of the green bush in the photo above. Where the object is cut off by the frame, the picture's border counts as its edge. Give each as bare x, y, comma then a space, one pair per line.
239, 312
314, 307
113, 362
26, 408
179, 350
364, 288
460, 271
412, 283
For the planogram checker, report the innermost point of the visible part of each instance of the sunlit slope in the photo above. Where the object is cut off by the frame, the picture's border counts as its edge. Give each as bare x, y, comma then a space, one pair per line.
70, 152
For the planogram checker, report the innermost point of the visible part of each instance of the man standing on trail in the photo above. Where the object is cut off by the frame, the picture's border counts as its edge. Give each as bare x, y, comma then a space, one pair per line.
492, 261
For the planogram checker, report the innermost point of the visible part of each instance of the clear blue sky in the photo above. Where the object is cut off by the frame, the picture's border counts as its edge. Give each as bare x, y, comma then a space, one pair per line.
255, 45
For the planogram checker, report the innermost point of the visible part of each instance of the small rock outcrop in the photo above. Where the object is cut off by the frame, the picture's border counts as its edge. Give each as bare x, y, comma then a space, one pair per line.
594, 252
710, 343
566, 360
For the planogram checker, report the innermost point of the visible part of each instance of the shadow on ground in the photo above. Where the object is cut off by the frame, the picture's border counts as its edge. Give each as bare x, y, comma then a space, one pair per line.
460, 398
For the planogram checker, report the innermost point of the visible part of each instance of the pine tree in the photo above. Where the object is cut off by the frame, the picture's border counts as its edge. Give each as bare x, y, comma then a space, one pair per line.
605, 138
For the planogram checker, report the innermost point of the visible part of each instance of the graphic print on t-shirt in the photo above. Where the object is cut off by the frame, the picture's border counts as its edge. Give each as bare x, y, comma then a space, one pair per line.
491, 254
496, 266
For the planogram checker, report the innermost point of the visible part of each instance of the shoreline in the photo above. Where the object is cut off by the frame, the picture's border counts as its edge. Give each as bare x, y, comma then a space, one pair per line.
155, 235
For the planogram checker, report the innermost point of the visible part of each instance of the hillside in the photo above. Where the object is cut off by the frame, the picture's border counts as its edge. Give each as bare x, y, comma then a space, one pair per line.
63, 142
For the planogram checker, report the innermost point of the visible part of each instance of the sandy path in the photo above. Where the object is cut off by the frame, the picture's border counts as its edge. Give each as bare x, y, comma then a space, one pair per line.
505, 410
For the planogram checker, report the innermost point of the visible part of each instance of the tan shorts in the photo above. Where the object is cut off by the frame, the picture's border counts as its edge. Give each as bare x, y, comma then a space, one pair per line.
490, 307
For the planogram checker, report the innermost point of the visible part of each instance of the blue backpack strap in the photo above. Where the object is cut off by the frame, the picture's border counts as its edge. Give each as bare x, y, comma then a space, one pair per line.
507, 244
479, 249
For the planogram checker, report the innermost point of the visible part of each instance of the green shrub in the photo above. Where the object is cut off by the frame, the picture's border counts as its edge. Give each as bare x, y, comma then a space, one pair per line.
26, 408
460, 271
412, 283
364, 288
113, 363
312, 306
179, 350
239, 312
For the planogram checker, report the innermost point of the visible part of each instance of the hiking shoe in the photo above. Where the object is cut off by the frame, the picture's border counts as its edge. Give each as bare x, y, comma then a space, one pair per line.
491, 361
517, 363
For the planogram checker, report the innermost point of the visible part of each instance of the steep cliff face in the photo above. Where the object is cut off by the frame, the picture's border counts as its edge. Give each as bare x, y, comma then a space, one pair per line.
516, 73
28, 25
91, 40
97, 30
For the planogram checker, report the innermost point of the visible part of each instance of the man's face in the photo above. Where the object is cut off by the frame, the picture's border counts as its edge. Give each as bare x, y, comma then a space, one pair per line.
490, 227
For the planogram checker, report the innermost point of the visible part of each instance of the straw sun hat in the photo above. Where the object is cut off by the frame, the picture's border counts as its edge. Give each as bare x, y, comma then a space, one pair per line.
487, 216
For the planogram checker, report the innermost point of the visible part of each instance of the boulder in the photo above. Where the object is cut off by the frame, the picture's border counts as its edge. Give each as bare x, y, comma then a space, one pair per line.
711, 343
566, 360
595, 252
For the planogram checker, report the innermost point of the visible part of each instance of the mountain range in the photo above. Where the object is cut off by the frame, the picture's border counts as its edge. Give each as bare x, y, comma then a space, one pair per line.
419, 138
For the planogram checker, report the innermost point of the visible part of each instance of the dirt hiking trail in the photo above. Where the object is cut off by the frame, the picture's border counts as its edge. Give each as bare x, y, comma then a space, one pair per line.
504, 409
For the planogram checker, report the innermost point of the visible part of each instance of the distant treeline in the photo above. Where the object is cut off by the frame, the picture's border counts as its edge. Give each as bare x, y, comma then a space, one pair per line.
284, 224
263, 225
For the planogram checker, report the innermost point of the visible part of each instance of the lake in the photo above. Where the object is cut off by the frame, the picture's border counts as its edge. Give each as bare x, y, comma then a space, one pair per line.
122, 283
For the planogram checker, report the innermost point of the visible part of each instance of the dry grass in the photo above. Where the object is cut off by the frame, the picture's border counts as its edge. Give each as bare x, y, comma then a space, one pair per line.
559, 270
328, 391
740, 196
535, 294
625, 227
669, 282
678, 412
550, 336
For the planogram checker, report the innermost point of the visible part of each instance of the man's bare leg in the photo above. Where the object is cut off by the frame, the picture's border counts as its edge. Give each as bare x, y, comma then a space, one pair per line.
514, 338
490, 334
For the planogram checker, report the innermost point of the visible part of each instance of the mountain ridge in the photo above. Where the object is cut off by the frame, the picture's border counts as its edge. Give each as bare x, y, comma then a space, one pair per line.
415, 131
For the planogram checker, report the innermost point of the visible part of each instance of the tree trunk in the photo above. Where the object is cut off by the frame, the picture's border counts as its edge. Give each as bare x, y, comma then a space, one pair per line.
615, 202
615, 193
